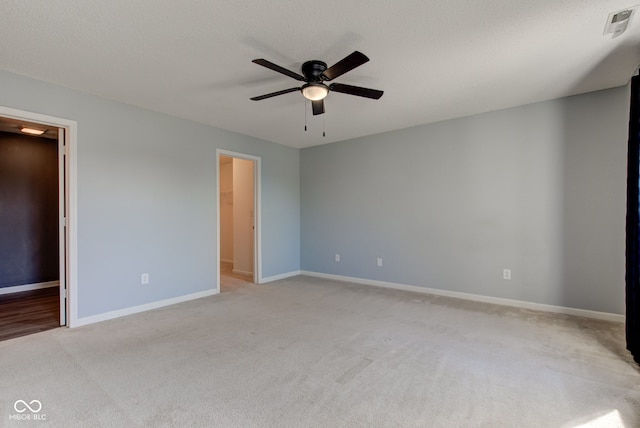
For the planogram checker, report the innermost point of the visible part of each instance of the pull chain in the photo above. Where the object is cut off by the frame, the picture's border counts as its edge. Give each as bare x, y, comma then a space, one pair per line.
305, 121
323, 127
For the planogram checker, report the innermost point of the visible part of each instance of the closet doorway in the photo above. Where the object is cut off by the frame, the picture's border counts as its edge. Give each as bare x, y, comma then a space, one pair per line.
238, 199
33, 242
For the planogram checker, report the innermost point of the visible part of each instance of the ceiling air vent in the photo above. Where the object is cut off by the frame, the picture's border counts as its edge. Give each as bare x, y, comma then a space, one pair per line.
617, 22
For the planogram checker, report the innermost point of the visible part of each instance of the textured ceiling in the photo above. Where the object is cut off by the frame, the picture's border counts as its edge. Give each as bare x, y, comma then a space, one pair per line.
435, 59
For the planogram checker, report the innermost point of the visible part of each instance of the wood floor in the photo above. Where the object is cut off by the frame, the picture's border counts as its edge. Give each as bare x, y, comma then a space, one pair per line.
29, 312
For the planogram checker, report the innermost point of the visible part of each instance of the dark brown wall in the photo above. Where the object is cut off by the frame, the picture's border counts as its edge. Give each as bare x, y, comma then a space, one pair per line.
28, 210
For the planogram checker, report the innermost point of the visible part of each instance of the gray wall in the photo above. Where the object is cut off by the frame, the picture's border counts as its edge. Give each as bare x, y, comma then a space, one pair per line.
539, 189
146, 197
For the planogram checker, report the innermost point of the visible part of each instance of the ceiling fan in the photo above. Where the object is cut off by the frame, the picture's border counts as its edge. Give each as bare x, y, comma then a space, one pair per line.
315, 73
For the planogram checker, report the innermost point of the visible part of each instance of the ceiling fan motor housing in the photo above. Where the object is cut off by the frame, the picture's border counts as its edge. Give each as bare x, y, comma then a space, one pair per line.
313, 70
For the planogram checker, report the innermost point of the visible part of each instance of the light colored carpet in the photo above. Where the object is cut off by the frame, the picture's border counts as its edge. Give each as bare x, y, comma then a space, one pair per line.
306, 352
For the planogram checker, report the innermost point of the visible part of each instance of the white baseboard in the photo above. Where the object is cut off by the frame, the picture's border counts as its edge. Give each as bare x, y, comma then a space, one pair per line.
279, 277
142, 308
242, 272
475, 297
226, 260
28, 287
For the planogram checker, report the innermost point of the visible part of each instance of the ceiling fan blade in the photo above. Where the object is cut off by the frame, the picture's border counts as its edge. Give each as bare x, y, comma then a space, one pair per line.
346, 64
356, 90
274, 94
276, 67
318, 107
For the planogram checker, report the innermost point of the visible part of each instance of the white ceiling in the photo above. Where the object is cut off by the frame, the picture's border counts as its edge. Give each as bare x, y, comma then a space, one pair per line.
435, 59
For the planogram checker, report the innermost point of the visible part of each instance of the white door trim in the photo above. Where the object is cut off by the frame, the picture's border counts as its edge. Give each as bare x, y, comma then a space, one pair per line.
257, 184
70, 128
62, 223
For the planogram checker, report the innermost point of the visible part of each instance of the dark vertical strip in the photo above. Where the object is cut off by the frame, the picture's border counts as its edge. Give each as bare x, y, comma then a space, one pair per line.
633, 226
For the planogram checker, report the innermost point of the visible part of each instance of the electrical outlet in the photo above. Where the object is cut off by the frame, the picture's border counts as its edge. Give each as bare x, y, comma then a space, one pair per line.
379, 261
506, 274
337, 258
144, 278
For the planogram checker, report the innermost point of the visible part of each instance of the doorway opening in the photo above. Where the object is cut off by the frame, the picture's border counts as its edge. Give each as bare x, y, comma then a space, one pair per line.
37, 278
238, 196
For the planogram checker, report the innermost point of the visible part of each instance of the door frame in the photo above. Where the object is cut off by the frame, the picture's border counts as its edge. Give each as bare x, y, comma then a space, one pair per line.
62, 223
257, 203
68, 197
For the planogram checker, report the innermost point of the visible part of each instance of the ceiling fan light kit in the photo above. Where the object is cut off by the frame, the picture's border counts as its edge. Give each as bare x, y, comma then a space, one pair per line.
315, 73
315, 91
